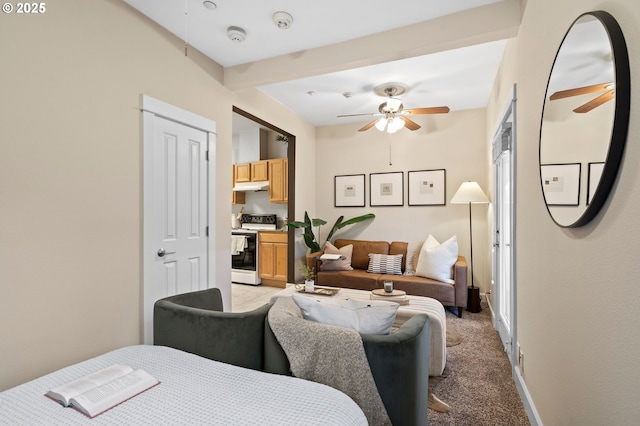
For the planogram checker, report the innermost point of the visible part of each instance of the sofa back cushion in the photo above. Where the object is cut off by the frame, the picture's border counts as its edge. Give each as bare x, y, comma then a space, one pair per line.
361, 250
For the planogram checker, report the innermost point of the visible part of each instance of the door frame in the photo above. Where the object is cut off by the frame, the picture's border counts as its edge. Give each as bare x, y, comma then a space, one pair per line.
509, 111
152, 108
291, 193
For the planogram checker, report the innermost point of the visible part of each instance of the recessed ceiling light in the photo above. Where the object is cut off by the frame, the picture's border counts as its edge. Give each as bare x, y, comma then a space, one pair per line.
311, 93
209, 5
283, 20
348, 95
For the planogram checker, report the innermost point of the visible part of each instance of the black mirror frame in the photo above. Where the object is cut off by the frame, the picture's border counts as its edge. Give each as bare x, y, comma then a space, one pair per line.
620, 119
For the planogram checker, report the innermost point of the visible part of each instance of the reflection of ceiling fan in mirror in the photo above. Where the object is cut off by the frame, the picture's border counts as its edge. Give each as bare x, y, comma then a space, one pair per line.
392, 114
596, 102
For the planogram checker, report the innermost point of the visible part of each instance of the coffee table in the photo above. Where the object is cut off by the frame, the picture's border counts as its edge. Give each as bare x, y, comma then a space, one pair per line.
415, 305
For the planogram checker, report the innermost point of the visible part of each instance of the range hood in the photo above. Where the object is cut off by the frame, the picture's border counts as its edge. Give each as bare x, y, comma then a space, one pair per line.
251, 186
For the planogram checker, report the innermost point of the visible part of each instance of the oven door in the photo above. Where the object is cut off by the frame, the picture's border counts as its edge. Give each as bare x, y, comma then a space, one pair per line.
244, 263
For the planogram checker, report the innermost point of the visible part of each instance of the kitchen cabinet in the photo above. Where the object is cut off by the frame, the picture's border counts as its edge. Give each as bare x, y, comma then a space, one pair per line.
236, 197
242, 172
272, 258
260, 171
278, 180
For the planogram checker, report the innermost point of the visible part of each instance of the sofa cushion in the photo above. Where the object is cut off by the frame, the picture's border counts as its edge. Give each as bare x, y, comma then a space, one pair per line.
385, 264
361, 250
337, 265
436, 260
369, 317
358, 279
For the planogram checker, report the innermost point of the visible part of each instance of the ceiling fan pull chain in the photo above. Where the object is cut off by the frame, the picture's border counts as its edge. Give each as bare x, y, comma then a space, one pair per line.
391, 164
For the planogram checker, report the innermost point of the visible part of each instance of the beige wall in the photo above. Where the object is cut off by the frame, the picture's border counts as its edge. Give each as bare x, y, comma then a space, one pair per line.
577, 289
70, 174
441, 143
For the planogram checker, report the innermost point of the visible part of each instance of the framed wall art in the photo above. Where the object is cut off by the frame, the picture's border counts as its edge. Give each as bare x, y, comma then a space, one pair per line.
348, 191
427, 187
595, 172
561, 184
386, 189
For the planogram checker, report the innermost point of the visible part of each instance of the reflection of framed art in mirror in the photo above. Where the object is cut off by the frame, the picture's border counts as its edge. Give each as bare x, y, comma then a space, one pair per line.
561, 183
595, 172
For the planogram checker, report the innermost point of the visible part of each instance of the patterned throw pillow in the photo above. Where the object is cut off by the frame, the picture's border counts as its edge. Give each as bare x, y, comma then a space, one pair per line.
385, 264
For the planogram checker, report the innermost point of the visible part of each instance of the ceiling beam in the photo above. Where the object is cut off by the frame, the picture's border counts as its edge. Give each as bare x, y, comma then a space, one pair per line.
496, 21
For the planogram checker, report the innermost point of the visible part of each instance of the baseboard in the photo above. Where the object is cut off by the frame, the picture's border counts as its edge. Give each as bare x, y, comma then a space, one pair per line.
529, 407
484, 296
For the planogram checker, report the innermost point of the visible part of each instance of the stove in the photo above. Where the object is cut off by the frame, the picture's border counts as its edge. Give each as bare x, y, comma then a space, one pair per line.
265, 222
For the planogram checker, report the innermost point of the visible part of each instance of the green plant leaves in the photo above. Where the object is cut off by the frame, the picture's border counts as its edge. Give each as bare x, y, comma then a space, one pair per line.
308, 224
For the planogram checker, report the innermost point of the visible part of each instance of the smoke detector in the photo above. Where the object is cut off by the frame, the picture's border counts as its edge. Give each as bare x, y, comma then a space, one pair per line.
282, 20
236, 34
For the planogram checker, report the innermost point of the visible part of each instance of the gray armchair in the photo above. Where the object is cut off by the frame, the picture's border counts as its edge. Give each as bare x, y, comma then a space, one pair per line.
399, 362
194, 322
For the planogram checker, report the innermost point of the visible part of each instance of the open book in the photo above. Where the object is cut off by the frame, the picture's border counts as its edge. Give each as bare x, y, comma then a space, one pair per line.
96, 393
328, 256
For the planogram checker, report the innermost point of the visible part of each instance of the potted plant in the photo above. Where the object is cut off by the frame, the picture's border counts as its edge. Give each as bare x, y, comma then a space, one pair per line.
310, 238
309, 274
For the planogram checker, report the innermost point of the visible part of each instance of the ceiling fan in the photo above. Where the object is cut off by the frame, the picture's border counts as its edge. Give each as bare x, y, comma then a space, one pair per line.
595, 102
392, 114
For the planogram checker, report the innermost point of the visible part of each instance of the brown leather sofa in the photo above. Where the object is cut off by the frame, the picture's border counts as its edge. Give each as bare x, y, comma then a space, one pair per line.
451, 295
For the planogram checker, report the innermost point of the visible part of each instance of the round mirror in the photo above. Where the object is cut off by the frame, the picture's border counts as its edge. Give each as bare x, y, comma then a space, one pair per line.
585, 119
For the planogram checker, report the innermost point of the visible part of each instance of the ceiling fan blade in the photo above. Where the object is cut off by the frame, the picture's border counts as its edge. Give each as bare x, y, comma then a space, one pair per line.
581, 91
358, 115
431, 110
605, 97
368, 125
409, 124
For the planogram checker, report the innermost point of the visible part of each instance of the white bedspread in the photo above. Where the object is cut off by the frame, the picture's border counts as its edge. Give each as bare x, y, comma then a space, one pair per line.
193, 390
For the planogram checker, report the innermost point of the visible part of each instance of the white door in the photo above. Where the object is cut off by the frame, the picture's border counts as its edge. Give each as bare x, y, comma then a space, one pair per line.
504, 231
175, 212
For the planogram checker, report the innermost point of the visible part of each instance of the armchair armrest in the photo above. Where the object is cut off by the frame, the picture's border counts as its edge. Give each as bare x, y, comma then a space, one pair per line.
399, 363
234, 338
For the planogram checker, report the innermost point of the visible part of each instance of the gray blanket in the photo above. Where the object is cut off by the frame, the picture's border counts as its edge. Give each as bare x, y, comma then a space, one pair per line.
327, 354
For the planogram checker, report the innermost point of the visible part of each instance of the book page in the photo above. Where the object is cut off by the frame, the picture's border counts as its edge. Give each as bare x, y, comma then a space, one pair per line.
64, 393
110, 394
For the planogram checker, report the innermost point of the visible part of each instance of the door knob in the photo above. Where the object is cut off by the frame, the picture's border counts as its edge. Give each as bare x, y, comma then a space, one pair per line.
162, 252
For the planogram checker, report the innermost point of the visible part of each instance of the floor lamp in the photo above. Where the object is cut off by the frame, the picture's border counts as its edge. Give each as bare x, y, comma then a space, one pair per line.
471, 193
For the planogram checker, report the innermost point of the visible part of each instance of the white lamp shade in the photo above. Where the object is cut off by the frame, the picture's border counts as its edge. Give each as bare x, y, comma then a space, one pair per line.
381, 124
469, 192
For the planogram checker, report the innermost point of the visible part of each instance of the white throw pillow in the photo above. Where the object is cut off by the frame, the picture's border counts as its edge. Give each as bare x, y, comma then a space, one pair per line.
436, 260
337, 265
385, 264
368, 317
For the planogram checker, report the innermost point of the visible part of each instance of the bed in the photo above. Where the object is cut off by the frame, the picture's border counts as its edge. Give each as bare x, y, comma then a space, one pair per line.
193, 390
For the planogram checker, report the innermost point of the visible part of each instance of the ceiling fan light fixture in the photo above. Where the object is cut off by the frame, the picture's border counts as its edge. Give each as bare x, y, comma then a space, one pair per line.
381, 124
395, 124
393, 104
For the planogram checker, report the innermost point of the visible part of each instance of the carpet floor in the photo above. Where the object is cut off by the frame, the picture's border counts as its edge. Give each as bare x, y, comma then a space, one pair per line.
477, 383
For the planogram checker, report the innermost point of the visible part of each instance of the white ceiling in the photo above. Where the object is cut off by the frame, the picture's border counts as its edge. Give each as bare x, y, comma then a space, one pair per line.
461, 78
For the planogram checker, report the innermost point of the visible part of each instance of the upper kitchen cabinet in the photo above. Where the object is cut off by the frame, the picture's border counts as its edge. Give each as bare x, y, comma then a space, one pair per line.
260, 171
278, 180
242, 173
